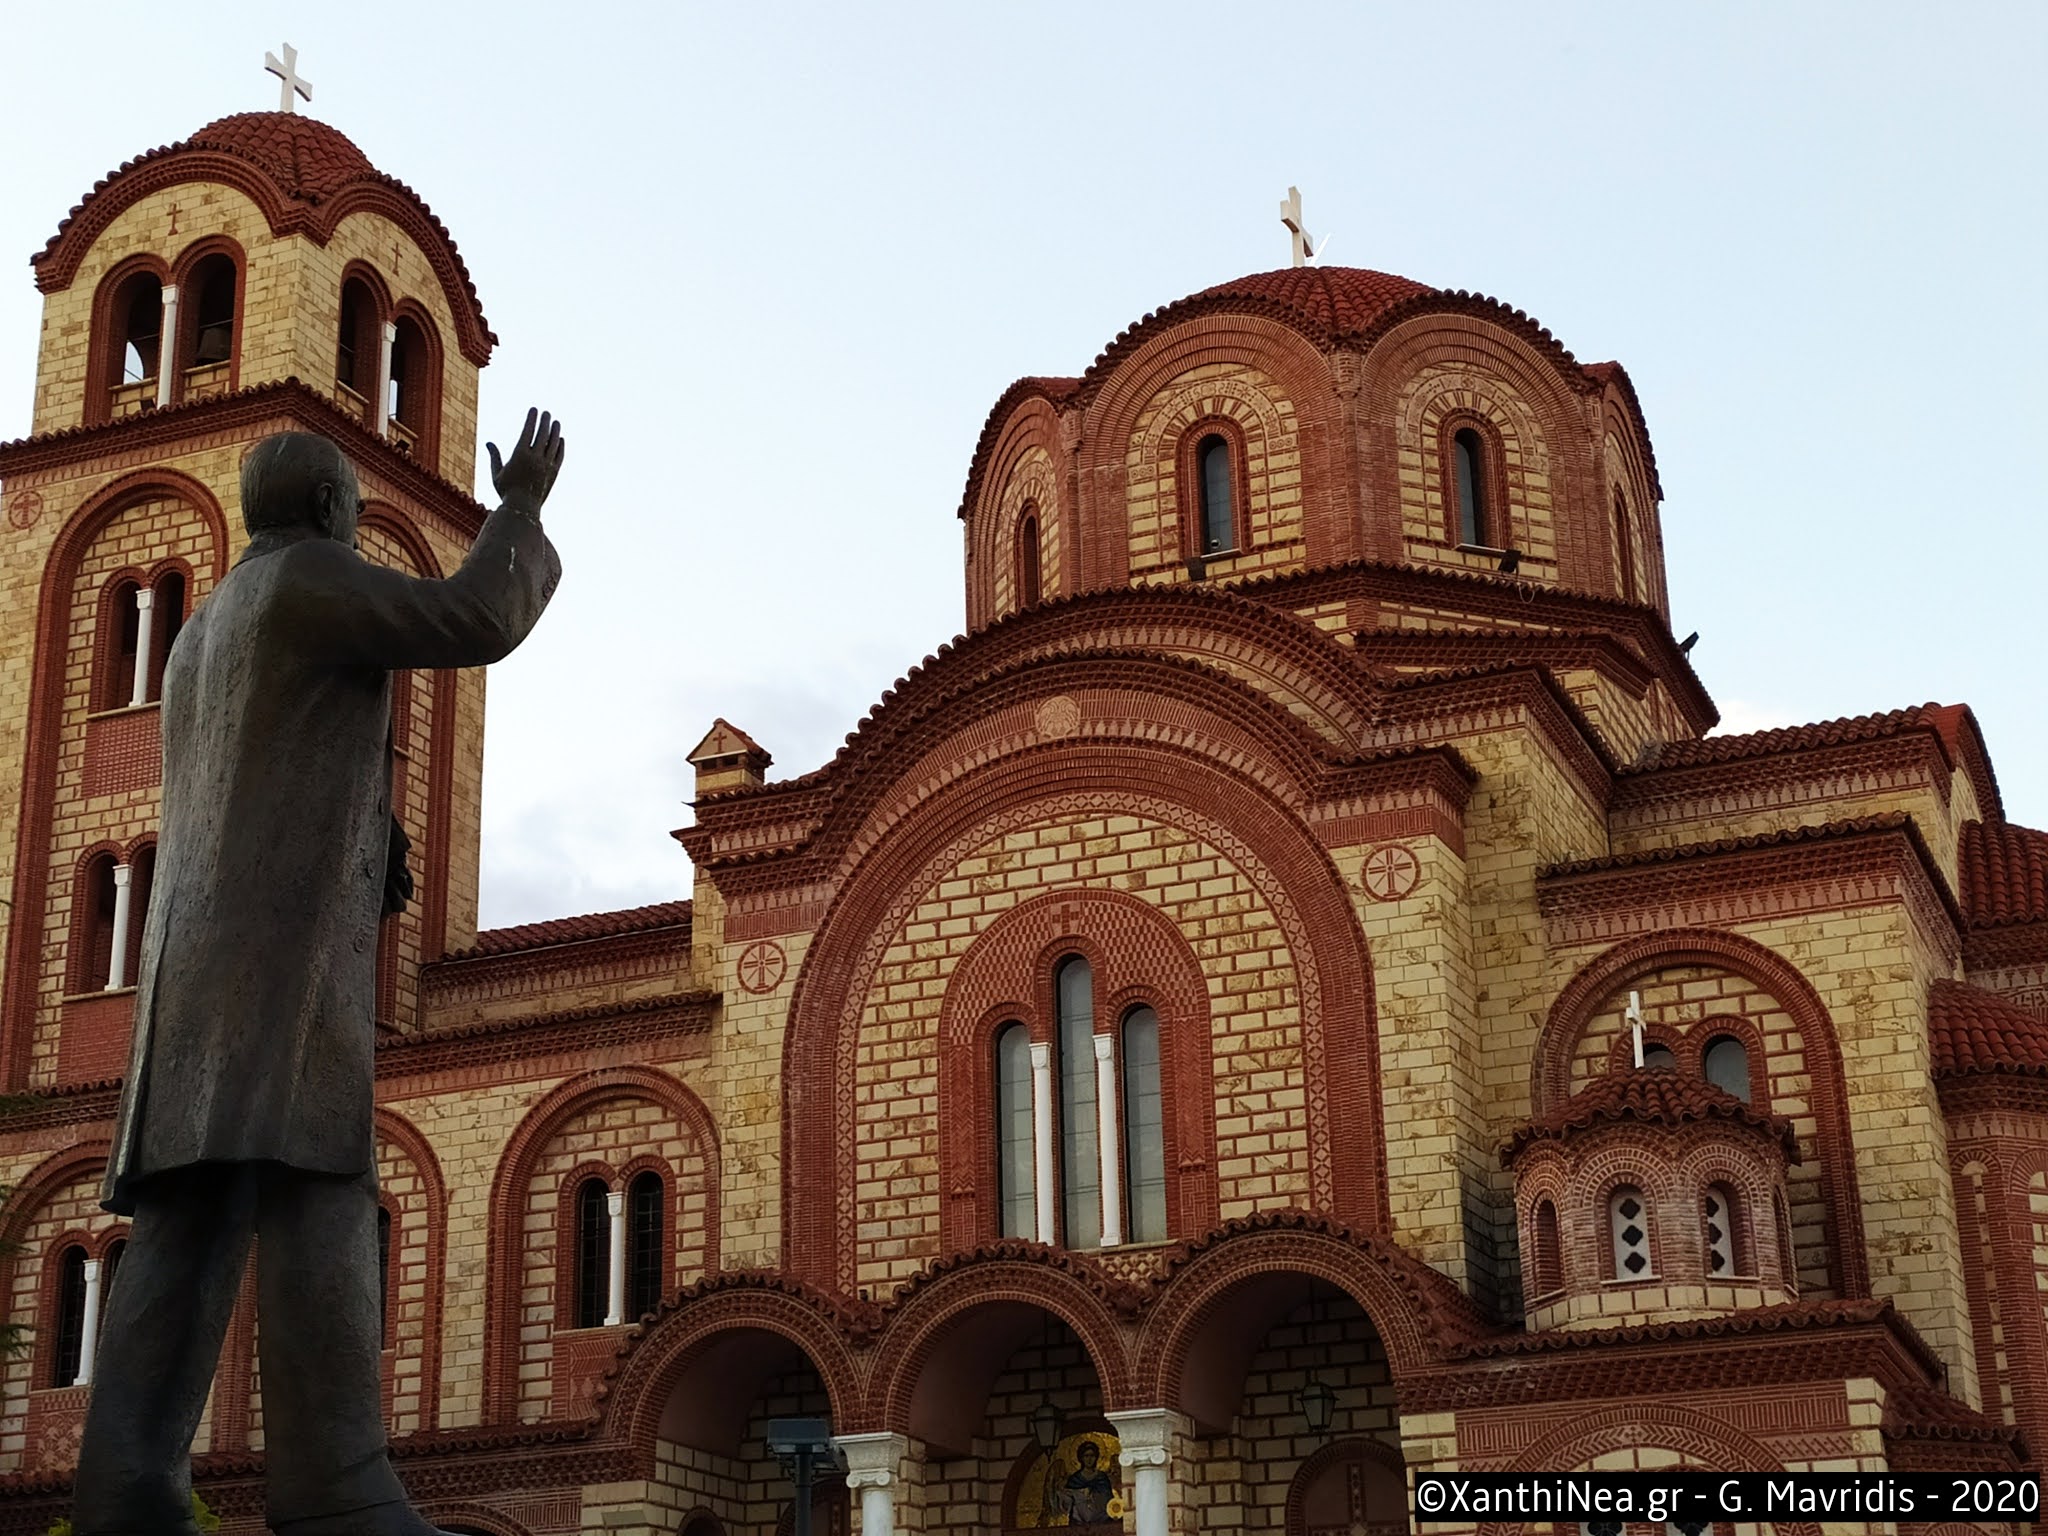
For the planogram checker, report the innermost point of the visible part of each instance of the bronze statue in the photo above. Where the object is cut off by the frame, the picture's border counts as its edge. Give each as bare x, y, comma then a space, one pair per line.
247, 1105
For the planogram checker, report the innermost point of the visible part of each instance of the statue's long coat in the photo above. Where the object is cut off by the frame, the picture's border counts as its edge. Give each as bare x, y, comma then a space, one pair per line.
254, 1027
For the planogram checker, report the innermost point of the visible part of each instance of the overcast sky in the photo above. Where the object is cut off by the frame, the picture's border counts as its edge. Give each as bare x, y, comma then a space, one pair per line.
772, 265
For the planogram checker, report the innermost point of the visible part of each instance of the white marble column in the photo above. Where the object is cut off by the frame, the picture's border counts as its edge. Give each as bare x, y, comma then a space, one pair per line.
167, 345
89, 1329
871, 1462
124, 913
1106, 1120
145, 613
615, 1304
388, 339
1041, 1136
1145, 1445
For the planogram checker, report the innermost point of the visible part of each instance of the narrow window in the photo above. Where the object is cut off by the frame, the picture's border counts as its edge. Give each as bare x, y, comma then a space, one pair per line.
121, 627
94, 965
110, 1266
646, 1245
1628, 1219
1726, 1066
1658, 1058
1219, 514
1016, 1163
1547, 1263
167, 617
141, 886
134, 349
1144, 1128
1028, 573
1624, 547
70, 1316
356, 349
1720, 1231
593, 1255
212, 286
409, 402
1080, 1155
384, 1274
1788, 1271
1469, 468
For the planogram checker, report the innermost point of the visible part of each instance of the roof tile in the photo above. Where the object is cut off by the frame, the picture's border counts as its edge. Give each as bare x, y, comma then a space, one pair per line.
575, 930
2004, 874
1972, 1030
1653, 1095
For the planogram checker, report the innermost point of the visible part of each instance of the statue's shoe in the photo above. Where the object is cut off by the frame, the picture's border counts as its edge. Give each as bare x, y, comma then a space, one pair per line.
397, 1518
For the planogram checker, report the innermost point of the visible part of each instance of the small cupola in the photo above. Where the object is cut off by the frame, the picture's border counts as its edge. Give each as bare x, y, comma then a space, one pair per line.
1651, 1196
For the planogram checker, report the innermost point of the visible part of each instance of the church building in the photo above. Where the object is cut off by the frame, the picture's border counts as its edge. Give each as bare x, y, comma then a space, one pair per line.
1294, 997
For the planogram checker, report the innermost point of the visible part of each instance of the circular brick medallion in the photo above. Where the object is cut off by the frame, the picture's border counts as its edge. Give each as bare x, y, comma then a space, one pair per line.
762, 967
1059, 717
1391, 872
24, 507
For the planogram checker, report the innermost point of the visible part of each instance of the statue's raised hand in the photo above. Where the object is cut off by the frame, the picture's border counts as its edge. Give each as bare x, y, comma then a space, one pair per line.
524, 480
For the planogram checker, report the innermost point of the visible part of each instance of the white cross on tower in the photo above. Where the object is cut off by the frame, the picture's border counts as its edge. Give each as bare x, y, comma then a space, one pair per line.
288, 73
1290, 215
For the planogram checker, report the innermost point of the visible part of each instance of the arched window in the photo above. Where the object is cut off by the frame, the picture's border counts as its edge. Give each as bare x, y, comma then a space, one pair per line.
120, 632
110, 1266
1144, 1128
1016, 1163
410, 402
70, 1330
1788, 1269
134, 347
1718, 1219
1658, 1058
593, 1253
166, 619
1218, 494
93, 963
1725, 1064
1028, 572
1628, 1222
1546, 1268
357, 349
1624, 547
1080, 1152
384, 1274
1468, 474
141, 886
646, 1245
208, 348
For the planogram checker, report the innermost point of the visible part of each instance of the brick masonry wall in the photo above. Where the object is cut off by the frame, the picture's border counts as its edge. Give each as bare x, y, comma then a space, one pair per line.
1441, 394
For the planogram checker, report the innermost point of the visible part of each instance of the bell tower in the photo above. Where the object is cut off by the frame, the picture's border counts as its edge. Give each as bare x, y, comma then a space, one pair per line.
259, 276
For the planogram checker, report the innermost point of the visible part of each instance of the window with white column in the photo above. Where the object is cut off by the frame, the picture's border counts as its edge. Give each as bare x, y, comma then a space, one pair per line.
1080, 1146
1144, 1127
1016, 1154
77, 1282
593, 1253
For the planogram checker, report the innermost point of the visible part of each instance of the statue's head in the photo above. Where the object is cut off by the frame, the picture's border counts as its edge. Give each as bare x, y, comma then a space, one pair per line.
300, 480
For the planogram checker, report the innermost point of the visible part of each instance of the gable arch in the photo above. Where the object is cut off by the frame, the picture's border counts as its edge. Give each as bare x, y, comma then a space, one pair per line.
516, 1167
44, 722
1030, 427
1279, 857
1126, 940
1612, 970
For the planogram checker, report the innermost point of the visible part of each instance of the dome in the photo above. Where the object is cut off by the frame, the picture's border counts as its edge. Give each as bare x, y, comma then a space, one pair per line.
1650, 1096
304, 174
1340, 300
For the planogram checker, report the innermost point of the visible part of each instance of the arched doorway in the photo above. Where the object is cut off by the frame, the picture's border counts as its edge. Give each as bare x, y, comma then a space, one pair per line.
711, 1451
1287, 1386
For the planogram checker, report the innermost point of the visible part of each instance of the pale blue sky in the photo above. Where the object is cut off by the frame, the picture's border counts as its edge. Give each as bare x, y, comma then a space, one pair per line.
772, 265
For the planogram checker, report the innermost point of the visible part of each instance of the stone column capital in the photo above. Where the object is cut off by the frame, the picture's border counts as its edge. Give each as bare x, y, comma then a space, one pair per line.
871, 1458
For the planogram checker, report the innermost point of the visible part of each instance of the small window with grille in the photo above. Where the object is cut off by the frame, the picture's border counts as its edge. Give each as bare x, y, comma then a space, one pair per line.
1719, 1215
1628, 1219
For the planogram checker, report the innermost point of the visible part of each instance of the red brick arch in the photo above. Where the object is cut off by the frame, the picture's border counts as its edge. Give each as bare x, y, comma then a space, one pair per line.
1709, 1442
929, 1310
658, 1353
418, 1151
459, 1515
1277, 852
1032, 423
1601, 977
1336, 1454
1300, 372
508, 1204
43, 726
1129, 943
1415, 1312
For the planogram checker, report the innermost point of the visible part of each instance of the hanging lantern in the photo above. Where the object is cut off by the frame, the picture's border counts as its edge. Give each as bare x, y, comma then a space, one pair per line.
1045, 1425
1318, 1403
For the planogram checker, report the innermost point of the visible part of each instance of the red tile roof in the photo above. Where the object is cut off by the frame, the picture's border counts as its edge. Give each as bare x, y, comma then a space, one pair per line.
309, 162
575, 930
1341, 300
1655, 1096
2004, 874
1793, 738
1972, 1030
